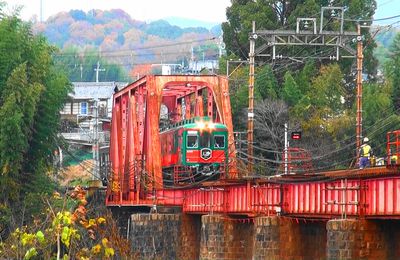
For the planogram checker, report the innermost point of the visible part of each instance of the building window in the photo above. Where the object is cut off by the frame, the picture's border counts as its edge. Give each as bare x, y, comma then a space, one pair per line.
84, 108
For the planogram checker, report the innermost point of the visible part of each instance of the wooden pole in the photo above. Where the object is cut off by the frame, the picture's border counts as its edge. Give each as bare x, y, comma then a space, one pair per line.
359, 89
250, 114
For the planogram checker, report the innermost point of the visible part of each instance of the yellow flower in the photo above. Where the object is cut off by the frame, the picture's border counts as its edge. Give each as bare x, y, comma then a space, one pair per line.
101, 220
96, 249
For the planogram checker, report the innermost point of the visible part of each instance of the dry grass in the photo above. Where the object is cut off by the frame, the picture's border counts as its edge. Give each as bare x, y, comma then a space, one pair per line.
80, 173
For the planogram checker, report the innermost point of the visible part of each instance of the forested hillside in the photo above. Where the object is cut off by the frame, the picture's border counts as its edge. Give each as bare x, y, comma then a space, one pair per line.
113, 37
384, 38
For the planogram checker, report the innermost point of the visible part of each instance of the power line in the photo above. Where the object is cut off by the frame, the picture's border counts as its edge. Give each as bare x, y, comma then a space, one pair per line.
370, 20
129, 51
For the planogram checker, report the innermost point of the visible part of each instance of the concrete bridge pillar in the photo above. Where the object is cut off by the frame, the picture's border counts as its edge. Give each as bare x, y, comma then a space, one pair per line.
223, 238
283, 238
363, 239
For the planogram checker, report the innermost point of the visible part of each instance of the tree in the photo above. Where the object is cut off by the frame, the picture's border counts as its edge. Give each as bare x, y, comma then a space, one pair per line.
378, 115
20, 101
269, 119
362, 10
239, 92
305, 76
273, 14
67, 232
240, 16
393, 72
270, 115
32, 92
323, 100
291, 92
266, 83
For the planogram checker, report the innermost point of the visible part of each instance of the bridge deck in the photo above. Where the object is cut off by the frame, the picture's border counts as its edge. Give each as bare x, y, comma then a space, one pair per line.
370, 193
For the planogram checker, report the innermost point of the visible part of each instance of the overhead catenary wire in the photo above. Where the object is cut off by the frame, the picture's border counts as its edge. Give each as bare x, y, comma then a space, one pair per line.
329, 166
378, 123
371, 20
295, 63
375, 129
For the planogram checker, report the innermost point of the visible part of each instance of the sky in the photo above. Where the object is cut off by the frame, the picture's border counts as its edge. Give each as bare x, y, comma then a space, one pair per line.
147, 10
150, 10
387, 8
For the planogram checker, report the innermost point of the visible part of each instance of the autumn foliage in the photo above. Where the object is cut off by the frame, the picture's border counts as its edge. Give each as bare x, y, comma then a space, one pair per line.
62, 233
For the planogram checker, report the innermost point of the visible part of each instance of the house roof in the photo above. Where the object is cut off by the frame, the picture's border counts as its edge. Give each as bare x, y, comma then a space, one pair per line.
95, 90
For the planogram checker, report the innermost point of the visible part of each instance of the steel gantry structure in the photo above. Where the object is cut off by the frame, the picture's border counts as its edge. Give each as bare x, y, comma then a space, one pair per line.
340, 41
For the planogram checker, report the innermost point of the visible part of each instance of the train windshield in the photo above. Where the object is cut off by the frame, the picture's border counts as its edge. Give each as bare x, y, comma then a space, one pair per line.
192, 139
205, 140
219, 141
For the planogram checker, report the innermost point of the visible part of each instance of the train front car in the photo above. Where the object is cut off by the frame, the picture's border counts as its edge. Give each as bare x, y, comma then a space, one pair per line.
205, 148
195, 150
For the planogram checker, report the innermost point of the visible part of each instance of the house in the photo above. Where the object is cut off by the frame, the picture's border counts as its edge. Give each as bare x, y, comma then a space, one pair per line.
195, 67
87, 112
85, 121
82, 101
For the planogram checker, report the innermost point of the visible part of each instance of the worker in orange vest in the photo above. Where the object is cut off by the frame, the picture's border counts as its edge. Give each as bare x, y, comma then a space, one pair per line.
365, 154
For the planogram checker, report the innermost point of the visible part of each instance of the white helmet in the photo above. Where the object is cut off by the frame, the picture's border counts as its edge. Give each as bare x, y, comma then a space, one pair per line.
366, 140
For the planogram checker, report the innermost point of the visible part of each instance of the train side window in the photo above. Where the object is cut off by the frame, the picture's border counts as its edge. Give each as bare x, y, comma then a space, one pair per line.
192, 140
219, 141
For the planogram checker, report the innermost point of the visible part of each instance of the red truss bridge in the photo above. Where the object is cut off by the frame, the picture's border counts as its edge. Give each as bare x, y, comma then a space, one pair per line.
172, 145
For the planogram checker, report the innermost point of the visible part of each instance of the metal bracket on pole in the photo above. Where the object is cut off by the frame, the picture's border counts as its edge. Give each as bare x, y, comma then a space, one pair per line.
336, 40
333, 9
305, 21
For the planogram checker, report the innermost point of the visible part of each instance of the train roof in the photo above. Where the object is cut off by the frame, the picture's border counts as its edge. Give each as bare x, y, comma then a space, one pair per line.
195, 123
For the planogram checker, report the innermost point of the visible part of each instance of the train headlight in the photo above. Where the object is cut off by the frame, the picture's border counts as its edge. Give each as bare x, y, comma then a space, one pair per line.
201, 125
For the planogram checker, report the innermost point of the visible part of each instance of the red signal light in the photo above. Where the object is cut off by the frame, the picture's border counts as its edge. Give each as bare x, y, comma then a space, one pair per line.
296, 135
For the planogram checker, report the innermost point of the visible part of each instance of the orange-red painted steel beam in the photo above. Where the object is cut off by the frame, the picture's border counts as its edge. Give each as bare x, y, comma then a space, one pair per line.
135, 151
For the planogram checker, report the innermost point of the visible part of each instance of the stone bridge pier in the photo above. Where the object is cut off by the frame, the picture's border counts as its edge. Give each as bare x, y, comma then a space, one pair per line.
183, 236
363, 239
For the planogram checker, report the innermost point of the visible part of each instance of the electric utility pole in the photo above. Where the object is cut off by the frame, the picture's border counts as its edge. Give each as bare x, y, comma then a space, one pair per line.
359, 88
250, 113
97, 69
308, 36
95, 146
